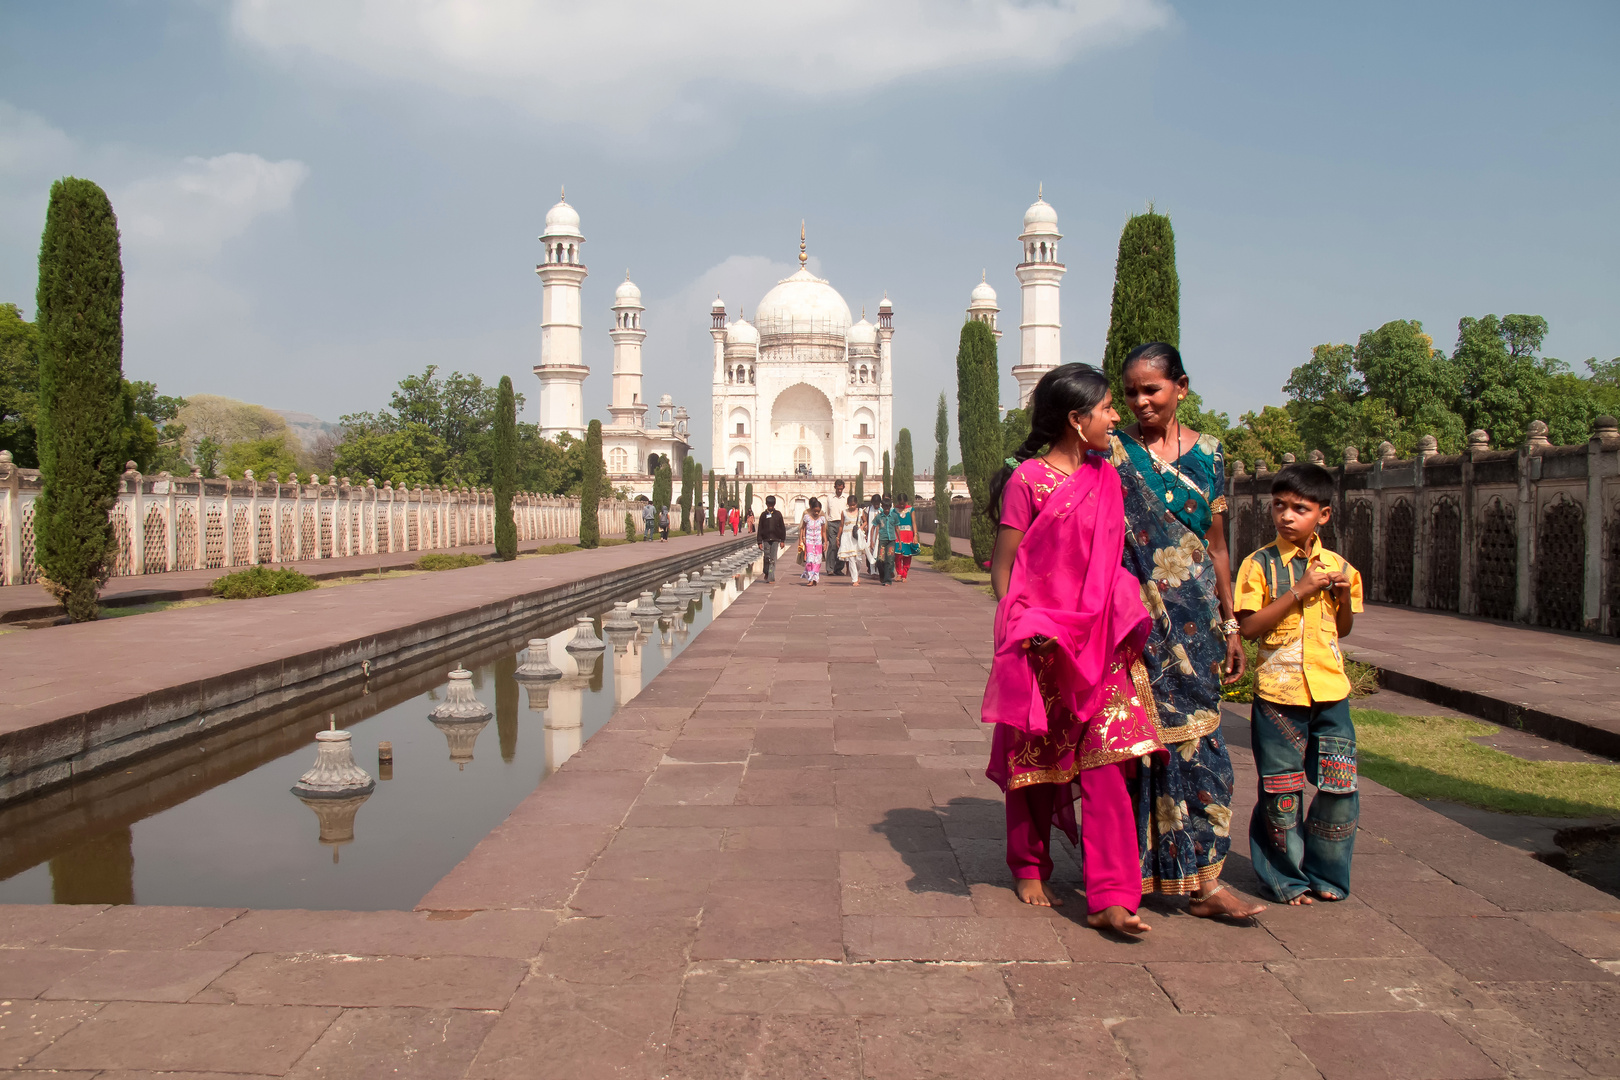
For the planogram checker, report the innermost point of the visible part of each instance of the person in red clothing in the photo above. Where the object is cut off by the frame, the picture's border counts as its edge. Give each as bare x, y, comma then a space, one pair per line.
736, 521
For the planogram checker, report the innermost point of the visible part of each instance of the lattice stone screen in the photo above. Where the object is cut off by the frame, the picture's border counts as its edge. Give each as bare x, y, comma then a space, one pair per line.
163, 523
1513, 534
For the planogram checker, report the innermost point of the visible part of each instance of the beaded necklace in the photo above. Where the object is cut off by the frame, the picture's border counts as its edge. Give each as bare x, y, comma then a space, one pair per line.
1170, 475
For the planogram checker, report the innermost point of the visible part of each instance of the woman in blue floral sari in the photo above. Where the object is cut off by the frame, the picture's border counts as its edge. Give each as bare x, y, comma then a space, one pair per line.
1175, 544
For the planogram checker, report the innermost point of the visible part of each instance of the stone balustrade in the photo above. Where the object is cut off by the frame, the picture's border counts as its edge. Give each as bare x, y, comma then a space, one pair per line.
163, 523
1530, 535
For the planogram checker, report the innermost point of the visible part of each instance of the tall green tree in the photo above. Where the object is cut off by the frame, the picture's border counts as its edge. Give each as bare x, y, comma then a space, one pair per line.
686, 494
888, 480
1147, 292
80, 422
663, 486
1014, 430
748, 499
590, 495
19, 386
978, 426
942, 483
710, 512
905, 469
505, 469
860, 487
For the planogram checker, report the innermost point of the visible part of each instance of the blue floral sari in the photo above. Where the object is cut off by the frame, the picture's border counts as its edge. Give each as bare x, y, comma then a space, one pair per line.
1183, 804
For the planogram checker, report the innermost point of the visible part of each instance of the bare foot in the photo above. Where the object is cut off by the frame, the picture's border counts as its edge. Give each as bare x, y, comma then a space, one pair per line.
1330, 897
1118, 920
1301, 900
1222, 903
1036, 892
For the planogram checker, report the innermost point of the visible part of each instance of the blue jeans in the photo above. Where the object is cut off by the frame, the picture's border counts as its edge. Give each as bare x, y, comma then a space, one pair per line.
1292, 744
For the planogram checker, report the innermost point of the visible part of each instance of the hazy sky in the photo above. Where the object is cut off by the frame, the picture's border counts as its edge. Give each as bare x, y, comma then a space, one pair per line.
320, 196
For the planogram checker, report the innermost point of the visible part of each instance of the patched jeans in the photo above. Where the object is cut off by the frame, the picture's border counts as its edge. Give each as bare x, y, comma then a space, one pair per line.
1293, 744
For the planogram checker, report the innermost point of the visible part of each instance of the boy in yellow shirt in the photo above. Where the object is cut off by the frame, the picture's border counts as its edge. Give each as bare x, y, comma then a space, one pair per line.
1299, 599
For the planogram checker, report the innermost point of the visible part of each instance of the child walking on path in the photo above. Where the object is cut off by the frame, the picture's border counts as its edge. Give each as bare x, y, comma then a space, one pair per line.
1300, 599
1065, 689
905, 536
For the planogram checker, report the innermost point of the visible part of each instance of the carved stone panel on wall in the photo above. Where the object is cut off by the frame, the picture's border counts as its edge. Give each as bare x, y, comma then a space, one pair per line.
1445, 550
1399, 548
1613, 597
1561, 564
1496, 567
1358, 539
1245, 534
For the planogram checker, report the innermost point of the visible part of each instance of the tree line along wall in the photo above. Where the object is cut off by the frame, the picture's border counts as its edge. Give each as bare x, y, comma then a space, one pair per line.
164, 523
1530, 535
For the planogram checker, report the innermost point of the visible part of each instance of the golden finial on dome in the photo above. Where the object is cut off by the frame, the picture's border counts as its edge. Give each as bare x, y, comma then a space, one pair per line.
803, 258
562, 192
1040, 191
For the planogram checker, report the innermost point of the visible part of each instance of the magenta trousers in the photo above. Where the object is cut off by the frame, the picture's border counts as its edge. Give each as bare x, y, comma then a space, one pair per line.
1110, 861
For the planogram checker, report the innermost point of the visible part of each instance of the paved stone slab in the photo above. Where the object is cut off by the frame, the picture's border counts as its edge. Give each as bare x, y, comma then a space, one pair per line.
906, 1049
225, 1038
1381, 985
135, 927
27, 1027
396, 1044
455, 982
1388, 1046
1213, 1047
160, 975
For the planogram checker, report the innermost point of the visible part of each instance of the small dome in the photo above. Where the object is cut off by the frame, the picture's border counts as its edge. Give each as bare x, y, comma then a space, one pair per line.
863, 332
1040, 218
741, 332
562, 220
718, 305
626, 295
984, 294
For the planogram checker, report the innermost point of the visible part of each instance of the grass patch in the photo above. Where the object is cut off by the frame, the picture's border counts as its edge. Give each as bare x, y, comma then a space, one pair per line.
332, 583
147, 609
1363, 677
959, 564
438, 560
1432, 757
258, 581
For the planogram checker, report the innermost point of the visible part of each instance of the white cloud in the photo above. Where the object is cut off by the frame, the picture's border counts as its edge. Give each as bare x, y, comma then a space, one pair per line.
623, 62
192, 210
28, 144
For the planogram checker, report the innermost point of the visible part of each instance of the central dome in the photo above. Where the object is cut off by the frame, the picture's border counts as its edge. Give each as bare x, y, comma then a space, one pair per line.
803, 304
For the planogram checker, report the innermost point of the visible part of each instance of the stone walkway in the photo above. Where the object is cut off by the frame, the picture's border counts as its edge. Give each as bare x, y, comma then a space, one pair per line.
1562, 686
782, 860
19, 603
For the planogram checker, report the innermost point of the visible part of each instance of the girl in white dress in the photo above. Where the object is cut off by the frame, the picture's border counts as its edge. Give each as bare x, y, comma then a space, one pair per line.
852, 540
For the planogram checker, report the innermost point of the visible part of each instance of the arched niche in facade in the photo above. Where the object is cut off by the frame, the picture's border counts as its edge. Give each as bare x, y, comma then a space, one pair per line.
739, 423
801, 417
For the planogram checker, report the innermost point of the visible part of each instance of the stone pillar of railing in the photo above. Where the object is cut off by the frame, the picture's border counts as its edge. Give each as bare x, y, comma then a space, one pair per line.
1422, 538
1479, 442
1600, 462
10, 521
1535, 441
131, 504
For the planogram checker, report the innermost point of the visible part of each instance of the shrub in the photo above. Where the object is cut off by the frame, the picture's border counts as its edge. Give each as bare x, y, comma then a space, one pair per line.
260, 581
438, 560
629, 527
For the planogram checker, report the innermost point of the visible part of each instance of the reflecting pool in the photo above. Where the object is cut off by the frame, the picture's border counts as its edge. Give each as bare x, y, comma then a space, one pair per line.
215, 824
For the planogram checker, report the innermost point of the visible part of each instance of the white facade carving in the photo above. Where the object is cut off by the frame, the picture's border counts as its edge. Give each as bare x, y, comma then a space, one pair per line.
802, 388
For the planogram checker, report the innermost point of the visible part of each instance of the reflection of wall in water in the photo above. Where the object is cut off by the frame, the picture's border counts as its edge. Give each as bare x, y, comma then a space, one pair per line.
100, 870
626, 667
506, 705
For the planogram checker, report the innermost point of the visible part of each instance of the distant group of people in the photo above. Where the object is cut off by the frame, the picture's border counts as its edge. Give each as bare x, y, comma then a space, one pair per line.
882, 536
656, 519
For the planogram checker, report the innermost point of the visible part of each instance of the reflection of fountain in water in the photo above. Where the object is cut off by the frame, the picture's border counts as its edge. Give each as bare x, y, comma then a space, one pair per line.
461, 717
666, 636
565, 712
626, 665
335, 787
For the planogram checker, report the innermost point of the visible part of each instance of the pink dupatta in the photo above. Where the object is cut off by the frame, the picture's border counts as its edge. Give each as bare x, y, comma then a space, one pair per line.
1067, 584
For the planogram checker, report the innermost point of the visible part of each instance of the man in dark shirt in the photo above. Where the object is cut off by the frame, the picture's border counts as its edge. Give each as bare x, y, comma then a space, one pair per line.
772, 534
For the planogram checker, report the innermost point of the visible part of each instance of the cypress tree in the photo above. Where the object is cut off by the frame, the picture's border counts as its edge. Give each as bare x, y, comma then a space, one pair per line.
748, 499
978, 427
686, 495
942, 484
505, 469
663, 486
590, 488
888, 488
1147, 292
711, 510
79, 313
905, 470
860, 488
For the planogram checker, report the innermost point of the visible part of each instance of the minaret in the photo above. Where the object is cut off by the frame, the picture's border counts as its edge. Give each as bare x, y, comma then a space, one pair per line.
982, 307
717, 394
562, 369
885, 331
628, 408
1039, 275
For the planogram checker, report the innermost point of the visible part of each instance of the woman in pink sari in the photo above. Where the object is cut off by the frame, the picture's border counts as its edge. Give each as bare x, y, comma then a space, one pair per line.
1071, 719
